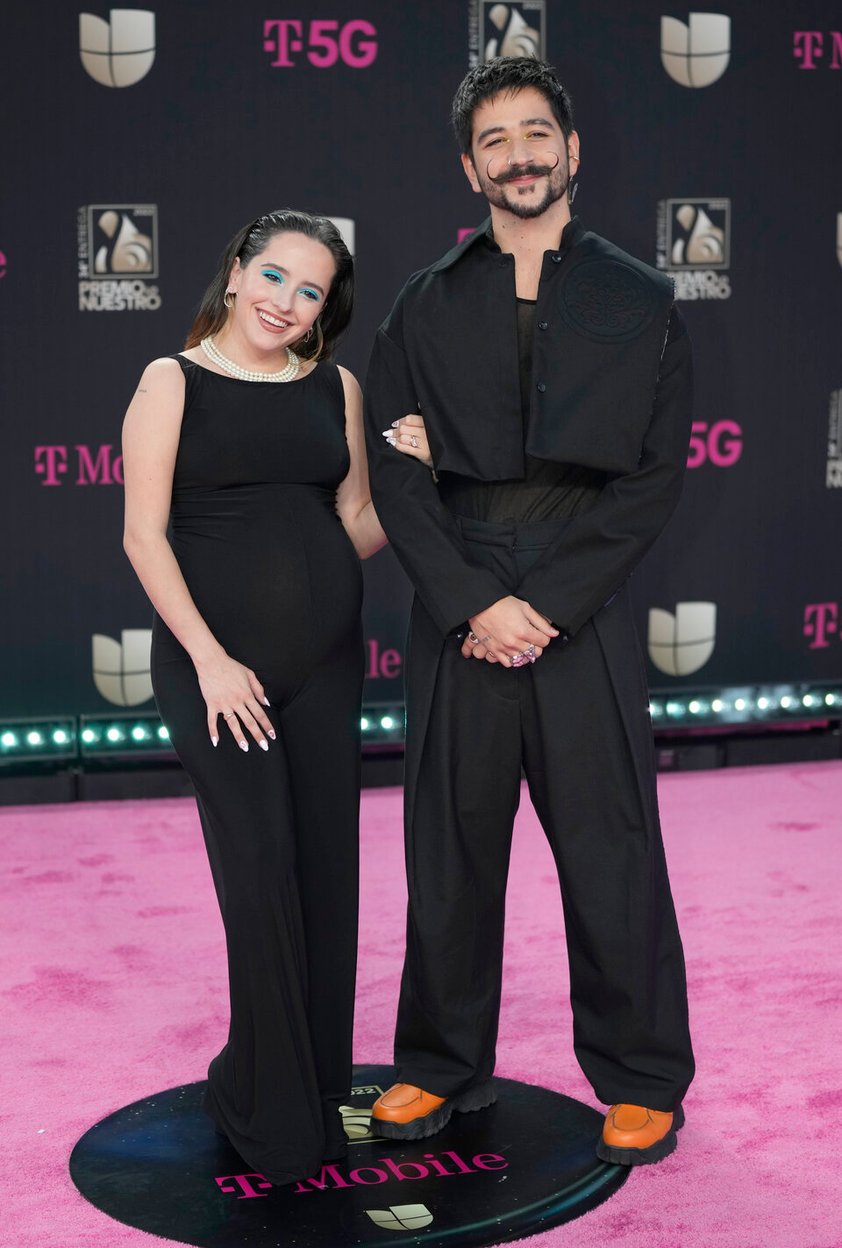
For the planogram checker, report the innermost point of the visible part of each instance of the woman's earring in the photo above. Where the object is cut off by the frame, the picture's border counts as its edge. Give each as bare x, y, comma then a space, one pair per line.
229, 295
309, 334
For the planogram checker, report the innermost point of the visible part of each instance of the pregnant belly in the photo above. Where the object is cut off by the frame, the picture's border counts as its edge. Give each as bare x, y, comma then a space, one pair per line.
277, 578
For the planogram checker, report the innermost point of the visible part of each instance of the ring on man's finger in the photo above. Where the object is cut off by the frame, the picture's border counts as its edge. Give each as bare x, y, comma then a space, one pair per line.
413, 442
473, 639
230, 715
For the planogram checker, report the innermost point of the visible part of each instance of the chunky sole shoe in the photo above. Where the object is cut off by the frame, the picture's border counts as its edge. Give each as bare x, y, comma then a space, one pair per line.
656, 1143
419, 1128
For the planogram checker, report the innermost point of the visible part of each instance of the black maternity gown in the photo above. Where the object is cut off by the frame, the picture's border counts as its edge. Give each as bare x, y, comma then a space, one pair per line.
273, 573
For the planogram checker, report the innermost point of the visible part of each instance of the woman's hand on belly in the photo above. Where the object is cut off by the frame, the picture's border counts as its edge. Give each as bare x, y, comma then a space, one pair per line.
234, 692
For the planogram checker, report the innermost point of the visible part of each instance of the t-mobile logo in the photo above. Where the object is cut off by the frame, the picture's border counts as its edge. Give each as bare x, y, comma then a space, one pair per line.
821, 623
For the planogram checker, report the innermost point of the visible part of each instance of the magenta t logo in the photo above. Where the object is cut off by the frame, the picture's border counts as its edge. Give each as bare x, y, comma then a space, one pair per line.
322, 42
49, 462
821, 620
808, 48
245, 1185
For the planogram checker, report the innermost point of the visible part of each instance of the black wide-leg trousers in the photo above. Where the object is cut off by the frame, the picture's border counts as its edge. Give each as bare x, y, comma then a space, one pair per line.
577, 724
281, 830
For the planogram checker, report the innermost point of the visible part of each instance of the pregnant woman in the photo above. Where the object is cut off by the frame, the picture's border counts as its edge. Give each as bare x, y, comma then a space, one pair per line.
248, 446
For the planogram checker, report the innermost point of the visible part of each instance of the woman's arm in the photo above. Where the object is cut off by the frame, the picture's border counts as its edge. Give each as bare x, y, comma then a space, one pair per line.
353, 498
150, 443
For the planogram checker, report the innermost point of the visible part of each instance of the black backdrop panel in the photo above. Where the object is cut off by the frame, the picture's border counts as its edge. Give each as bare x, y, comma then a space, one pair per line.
117, 201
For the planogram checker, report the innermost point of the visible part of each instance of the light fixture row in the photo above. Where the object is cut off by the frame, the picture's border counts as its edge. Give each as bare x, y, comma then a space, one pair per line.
100, 736
87, 736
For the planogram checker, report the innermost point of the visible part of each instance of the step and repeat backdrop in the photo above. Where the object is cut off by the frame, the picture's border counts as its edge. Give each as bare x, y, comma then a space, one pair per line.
136, 141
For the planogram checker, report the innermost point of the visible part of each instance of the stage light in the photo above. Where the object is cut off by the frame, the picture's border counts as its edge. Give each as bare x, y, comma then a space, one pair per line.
365, 723
786, 701
740, 704
694, 707
717, 705
809, 700
115, 737
387, 722
655, 709
762, 703
675, 708
30, 740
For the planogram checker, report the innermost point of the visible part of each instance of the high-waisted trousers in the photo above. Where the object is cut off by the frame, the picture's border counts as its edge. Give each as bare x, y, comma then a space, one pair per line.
281, 835
577, 724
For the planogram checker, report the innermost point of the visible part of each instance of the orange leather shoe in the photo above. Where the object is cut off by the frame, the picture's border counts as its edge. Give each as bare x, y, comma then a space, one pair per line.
633, 1135
406, 1112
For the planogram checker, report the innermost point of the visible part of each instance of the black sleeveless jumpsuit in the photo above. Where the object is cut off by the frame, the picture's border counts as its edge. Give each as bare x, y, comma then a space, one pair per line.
273, 573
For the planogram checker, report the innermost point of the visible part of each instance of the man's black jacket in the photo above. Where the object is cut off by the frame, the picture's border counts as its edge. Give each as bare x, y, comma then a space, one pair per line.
611, 390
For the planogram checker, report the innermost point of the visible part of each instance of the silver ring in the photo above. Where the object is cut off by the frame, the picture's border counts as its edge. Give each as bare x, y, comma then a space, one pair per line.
230, 715
413, 442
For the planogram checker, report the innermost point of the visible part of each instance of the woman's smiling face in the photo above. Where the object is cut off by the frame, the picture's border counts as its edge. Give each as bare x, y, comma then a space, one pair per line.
280, 292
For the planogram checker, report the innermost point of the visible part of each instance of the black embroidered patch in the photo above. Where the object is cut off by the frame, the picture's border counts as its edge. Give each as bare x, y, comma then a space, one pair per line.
607, 300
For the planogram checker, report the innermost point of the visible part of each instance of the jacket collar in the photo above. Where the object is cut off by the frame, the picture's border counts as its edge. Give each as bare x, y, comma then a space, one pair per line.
570, 236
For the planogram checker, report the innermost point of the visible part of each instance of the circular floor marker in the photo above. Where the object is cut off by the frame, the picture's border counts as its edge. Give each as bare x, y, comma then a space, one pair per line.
519, 1167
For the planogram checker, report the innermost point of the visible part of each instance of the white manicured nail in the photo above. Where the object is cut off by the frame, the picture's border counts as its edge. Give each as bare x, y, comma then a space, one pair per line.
264, 745
214, 742
266, 702
244, 746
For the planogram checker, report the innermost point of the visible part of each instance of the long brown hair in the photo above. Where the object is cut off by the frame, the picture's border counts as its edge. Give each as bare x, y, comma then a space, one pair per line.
255, 238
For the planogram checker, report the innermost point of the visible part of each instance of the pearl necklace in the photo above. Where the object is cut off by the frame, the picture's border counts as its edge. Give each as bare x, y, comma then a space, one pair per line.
244, 374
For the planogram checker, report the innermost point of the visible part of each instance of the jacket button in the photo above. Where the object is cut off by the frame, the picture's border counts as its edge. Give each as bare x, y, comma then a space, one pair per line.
556, 259
542, 324
541, 387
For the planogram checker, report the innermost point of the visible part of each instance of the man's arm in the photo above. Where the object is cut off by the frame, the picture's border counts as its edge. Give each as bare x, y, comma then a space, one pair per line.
599, 549
422, 531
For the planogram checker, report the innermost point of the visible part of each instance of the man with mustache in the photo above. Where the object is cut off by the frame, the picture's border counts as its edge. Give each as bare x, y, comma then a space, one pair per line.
553, 375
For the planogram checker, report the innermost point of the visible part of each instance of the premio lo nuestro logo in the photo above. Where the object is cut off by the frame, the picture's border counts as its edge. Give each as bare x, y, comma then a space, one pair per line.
118, 258
696, 53
347, 228
120, 51
682, 643
506, 30
694, 246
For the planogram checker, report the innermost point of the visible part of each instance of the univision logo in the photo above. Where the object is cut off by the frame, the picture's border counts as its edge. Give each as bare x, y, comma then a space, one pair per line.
121, 51
401, 1217
696, 53
121, 668
682, 643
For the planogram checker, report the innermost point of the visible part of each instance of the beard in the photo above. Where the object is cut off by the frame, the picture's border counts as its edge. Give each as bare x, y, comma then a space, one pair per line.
522, 203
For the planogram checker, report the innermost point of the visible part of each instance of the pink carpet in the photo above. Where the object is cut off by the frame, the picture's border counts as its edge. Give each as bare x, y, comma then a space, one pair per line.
113, 988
